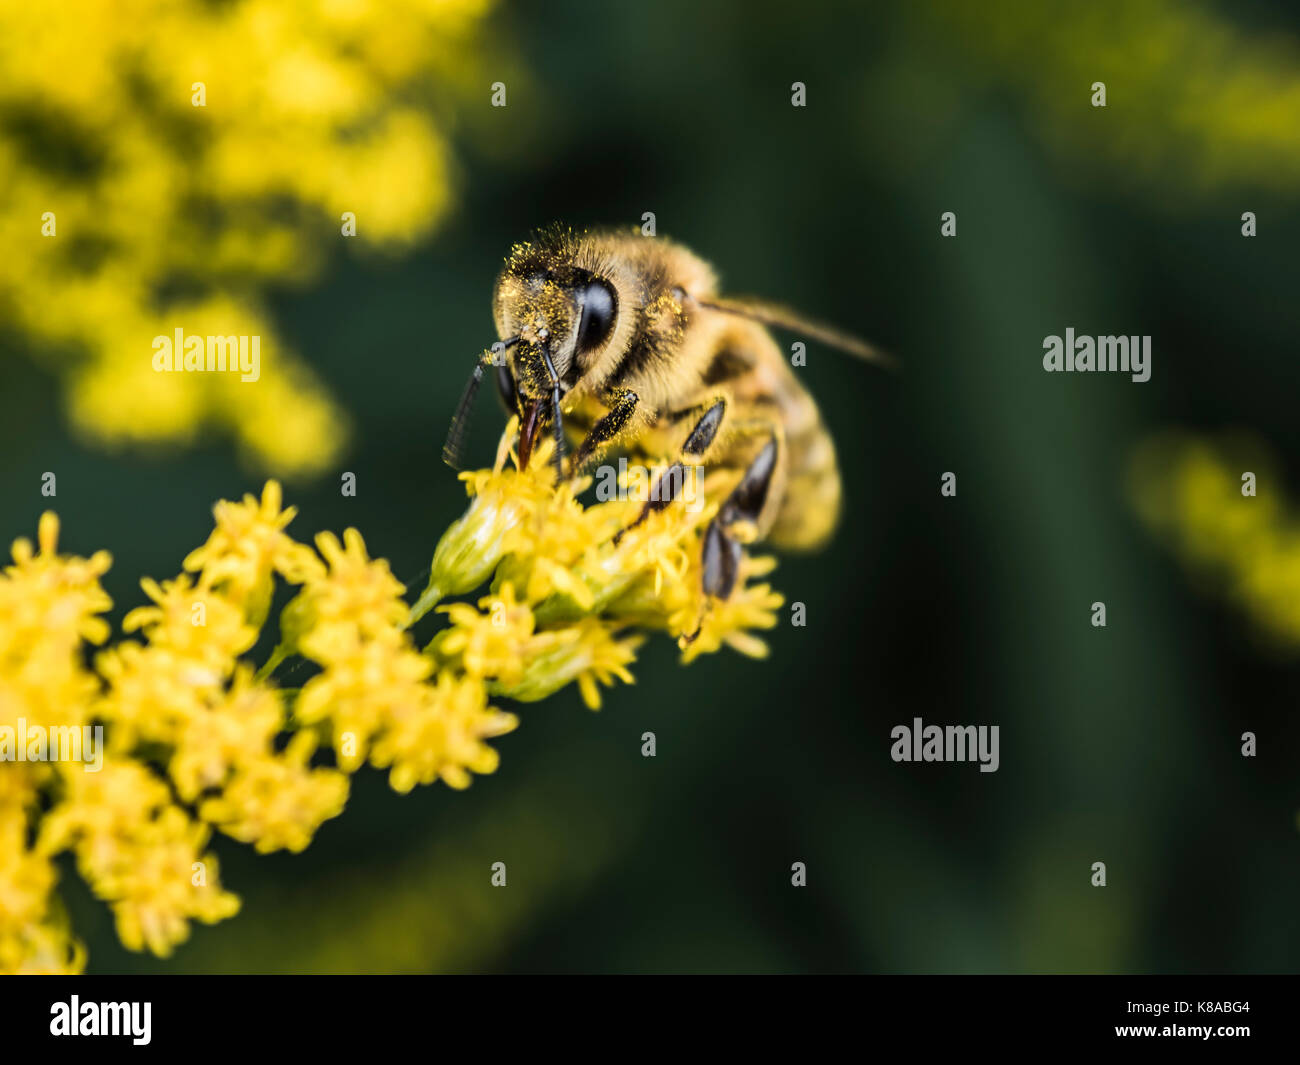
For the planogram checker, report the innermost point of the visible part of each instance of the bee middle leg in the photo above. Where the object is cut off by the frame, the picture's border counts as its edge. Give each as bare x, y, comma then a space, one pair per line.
737, 521
671, 480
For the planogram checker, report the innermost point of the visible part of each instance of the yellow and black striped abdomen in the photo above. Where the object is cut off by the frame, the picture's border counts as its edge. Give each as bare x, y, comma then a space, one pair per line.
805, 506
810, 506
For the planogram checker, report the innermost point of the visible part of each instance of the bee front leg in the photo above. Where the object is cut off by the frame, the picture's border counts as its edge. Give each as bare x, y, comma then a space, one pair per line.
622, 404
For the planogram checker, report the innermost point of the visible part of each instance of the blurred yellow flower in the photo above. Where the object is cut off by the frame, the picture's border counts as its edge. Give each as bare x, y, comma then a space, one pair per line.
211, 149
276, 801
1198, 99
1217, 506
138, 851
444, 738
233, 732
32, 938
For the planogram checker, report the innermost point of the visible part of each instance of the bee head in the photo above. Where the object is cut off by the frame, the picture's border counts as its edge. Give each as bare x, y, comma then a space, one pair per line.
557, 309
558, 318
563, 316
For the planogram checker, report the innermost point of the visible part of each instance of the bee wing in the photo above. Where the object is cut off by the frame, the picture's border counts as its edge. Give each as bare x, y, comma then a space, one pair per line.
784, 318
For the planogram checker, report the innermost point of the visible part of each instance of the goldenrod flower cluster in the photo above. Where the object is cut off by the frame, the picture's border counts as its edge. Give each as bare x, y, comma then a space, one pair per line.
1218, 507
197, 741
570, 581
124, 181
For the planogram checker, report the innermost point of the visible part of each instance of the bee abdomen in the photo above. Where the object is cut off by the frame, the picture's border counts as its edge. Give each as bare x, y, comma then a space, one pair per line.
811, 504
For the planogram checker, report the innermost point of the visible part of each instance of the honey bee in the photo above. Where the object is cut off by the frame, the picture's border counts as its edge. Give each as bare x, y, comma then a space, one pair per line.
633, 327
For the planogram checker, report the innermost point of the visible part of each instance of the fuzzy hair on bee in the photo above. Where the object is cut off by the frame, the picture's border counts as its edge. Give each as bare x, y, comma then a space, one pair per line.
633, 328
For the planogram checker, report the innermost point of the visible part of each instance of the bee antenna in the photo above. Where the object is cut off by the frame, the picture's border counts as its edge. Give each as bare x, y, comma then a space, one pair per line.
451, 450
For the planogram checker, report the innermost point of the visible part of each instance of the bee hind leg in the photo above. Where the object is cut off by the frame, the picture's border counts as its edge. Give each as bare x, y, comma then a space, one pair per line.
737, 524
721, 562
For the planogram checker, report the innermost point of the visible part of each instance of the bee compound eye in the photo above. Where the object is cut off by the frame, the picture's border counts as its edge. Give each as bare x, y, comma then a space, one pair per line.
599, 305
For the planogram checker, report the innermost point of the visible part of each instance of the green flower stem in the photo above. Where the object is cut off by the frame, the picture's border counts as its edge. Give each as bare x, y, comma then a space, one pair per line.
281, 652
429, 598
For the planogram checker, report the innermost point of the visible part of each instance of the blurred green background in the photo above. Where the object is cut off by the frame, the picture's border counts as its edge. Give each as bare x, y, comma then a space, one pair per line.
1118, 745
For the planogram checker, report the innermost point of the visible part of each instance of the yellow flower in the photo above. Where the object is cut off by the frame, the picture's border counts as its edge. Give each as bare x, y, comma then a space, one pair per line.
140, 853
572, 587
168, 690
731, 621
42, 950
357, 596
49, 605
443, 738
586, 652
278, 802
54, 597
1189, 492
97, 807
157, 882
26, 876
152, 693
491, 643
243, 134
193, 623
247, 547
32, 940
238, 729
366, 685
